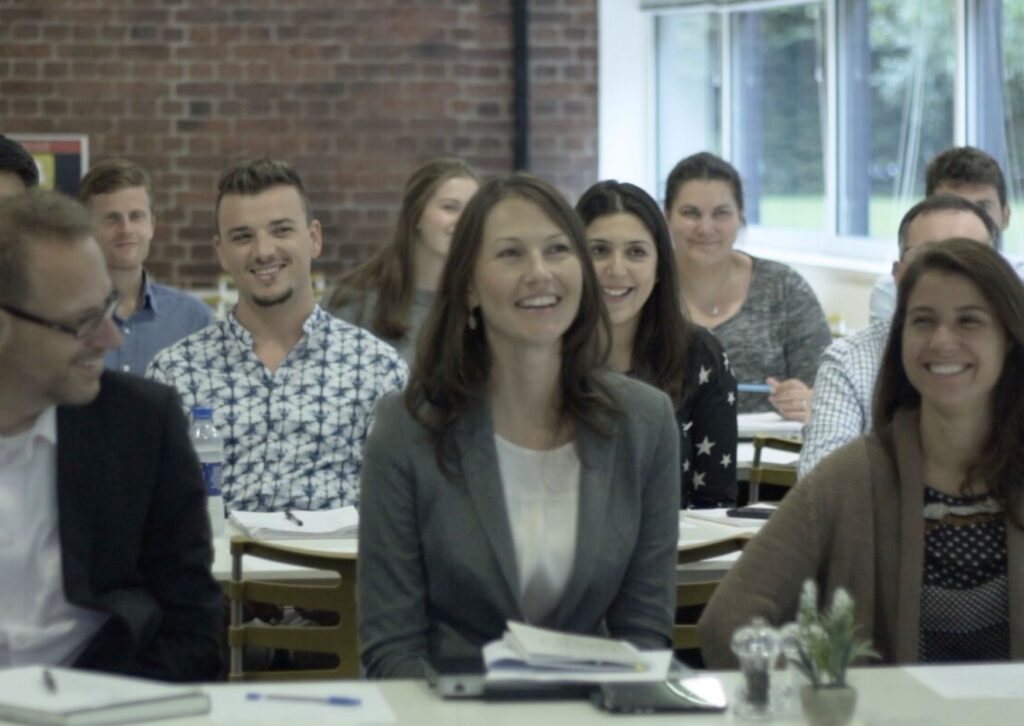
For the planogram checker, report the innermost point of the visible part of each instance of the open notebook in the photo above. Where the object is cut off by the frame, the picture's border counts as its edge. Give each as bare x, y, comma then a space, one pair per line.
37, 695
530, 653
299, 524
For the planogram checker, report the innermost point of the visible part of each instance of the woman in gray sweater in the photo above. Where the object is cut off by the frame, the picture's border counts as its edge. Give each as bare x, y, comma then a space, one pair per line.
765, 315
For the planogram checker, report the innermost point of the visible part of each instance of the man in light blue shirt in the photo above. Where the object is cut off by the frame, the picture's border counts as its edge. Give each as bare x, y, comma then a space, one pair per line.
119, 194
962, 171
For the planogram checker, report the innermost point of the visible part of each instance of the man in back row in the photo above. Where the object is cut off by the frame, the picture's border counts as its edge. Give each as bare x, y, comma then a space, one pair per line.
962, 171
845, 382
104, 540
119, 194
292, 387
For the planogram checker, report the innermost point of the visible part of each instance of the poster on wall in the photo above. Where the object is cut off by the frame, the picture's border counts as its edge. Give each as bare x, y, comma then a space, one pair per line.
61, 158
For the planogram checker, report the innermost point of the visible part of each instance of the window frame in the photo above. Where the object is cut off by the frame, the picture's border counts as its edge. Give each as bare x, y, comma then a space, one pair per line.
825, 247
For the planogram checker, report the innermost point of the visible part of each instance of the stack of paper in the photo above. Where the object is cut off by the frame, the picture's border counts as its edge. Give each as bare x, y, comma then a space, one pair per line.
37, 695
529, 653
299, 524
749, 424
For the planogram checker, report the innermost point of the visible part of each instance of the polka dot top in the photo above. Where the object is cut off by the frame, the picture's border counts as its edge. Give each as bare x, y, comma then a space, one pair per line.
965, 592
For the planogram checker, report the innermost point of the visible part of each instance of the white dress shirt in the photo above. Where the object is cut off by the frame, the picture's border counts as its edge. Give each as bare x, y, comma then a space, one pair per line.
37, 623
542, 497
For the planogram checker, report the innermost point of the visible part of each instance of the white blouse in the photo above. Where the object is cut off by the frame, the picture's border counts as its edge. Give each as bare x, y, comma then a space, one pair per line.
542, 498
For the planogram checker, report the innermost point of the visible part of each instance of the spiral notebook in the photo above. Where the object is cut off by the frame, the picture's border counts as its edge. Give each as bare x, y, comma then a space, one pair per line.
61, 696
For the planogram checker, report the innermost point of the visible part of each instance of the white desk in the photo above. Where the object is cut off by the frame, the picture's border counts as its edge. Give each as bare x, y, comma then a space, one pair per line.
888, 696
692, 532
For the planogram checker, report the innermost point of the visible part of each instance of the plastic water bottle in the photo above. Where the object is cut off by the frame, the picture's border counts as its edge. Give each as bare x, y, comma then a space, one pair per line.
209, 447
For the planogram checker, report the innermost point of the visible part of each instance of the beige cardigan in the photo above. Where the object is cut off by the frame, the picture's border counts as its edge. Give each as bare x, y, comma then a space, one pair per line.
856, 522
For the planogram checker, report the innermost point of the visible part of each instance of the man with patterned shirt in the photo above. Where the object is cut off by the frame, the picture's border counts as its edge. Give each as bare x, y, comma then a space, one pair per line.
292, 387
845, 382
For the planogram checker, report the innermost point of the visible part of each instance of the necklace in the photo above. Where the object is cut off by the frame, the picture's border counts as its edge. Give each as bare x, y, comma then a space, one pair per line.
722, 292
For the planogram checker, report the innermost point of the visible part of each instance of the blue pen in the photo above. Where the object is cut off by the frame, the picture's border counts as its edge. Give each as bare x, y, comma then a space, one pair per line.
325, 700
753, 388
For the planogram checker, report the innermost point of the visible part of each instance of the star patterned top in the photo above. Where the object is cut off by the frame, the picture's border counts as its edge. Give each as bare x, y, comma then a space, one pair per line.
707, 426
293, 438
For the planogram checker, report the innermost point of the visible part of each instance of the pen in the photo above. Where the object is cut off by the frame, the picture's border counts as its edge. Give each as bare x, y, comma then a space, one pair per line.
325, 700
48, 681
753, 388
291, 517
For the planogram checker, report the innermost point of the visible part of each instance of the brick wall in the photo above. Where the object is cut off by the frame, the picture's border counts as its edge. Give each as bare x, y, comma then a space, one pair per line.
355, 93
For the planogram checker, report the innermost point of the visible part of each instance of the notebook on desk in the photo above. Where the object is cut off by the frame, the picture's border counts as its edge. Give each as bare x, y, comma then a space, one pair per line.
61, 696
298, 524
750, 424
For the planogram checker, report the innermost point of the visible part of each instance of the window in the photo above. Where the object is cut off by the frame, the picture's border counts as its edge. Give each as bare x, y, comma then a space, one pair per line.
832, 109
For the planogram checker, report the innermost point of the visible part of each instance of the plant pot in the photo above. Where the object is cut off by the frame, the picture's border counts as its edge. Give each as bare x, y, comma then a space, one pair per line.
828, 706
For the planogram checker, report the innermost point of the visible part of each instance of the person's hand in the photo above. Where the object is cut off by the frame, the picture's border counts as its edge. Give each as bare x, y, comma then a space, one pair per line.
791, 398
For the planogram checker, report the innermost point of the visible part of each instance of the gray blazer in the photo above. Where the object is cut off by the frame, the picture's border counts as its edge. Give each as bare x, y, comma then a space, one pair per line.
437, 566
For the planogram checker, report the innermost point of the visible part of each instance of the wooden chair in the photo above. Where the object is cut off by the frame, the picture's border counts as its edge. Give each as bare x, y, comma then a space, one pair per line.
692, 594
335, 595
783, 475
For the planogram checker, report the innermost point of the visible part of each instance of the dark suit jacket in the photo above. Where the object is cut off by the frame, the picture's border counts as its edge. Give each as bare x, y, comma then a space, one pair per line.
135, 538
437, 564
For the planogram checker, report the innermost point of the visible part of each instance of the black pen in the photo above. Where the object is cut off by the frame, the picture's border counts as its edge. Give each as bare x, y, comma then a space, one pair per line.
48, 681
291, 517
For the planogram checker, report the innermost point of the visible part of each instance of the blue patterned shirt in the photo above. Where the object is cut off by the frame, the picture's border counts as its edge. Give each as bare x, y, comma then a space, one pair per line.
293, 438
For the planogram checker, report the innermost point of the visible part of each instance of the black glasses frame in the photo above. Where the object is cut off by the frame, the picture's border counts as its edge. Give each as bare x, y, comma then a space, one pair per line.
82, 330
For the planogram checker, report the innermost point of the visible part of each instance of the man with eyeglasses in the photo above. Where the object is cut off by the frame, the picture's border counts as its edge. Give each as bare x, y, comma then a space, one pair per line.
104, 539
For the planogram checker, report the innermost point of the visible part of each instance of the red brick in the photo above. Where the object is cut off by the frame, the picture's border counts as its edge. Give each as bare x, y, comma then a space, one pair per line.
355, 93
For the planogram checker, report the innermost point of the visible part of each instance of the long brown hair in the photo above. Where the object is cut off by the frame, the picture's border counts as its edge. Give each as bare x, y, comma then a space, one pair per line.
661, 345
1000, 464
453, 360
390, 270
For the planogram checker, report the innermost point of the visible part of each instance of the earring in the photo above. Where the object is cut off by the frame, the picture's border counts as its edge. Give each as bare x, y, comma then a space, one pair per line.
471, 321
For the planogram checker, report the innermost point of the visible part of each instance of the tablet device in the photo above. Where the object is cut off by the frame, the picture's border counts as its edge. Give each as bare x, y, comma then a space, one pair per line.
750, 512
698, 693
455, 676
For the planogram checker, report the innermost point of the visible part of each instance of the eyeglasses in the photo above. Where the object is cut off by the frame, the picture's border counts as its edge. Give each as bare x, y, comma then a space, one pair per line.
84, 328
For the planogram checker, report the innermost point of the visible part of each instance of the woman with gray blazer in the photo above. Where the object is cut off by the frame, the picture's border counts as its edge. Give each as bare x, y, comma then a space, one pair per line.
517, 478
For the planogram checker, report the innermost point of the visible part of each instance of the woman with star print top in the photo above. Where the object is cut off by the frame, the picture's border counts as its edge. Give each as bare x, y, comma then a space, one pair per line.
631, 250
921, 520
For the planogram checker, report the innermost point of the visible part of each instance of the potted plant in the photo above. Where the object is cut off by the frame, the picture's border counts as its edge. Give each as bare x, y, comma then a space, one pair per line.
822, 644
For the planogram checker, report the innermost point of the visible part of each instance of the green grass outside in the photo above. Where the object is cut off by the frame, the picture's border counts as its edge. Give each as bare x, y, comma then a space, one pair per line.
808, 212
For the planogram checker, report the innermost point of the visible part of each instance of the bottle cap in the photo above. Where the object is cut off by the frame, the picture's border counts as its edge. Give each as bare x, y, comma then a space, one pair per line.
202, 413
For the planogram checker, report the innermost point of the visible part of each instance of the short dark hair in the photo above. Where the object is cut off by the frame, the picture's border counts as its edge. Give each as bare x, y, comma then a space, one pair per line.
453, 360
1001, 462
114, 175
965, 165
16, 159
661, 344
251, 177
703, 166
947, 203
36, 216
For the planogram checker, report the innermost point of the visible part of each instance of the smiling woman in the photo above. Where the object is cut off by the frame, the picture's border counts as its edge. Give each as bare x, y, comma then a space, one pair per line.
931, 503
653, 340
765, 315
390, 293
531, 484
